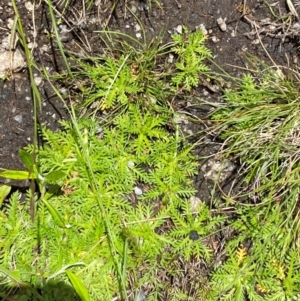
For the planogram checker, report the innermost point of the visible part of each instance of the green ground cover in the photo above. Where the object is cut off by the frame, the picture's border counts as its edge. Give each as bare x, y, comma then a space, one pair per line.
111, 207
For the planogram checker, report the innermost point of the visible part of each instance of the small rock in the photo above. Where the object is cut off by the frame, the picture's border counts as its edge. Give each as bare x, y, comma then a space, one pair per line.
29, 6
44, 48
31, 45
272, 28
296, 26
202, 28
222, 24
218, 170
170, 59
141, 296
18, 118
180, 119
133, 7
138, 191
194, 235
179, 29
11, 61
64, 38
255, 42
137, 27
38, 80
8, 43
195, 202
63, 28
130, 164
143, 6
63, 91
214, 39
10, 23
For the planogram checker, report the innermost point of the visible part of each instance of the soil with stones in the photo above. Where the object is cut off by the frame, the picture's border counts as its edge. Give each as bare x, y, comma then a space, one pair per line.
235, 29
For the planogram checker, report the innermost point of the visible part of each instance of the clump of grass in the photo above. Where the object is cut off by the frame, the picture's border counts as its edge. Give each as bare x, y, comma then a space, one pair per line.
260, 125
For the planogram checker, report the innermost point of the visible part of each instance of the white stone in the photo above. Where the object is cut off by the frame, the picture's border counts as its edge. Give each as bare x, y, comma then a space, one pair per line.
170, 59
10, 23
218, 170
11, 61
29, 6
195, 202
133, 7
130, 164
202, 28
179, 29
38, 80
222, 24
137, 27
8, 43
138, 191
31, 45
18, 118
214, 39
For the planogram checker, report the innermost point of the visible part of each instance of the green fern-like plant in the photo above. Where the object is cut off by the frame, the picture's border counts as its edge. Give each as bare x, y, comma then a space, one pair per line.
191, 229
110, 81
191, 53
71, 226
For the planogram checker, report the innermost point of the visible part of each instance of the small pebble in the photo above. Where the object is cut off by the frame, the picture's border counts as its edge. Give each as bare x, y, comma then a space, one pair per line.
143, 6
132, 7
179, 29
214, 39
137, 27
38, 80
130, 164
63, 91
63, 28
141, 296
170, 59
194, 235
31, 45
202, 28
195, 202
29, 6
10, 23
138, 191
64, 39
18, 118
222, 24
